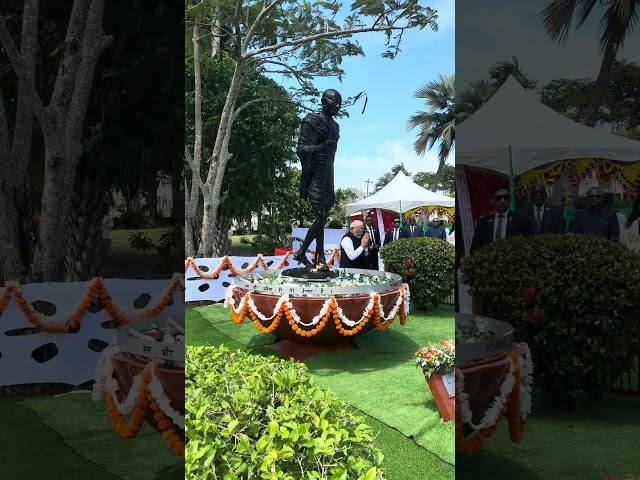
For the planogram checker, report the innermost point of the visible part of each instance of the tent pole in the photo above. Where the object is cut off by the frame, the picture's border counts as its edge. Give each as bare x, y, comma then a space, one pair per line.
401, 224
512, 182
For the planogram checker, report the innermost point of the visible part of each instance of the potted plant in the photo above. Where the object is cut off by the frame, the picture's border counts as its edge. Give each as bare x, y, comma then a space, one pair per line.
437, 363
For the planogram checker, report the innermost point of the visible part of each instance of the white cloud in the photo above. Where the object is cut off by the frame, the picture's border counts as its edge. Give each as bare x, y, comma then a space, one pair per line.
354, 171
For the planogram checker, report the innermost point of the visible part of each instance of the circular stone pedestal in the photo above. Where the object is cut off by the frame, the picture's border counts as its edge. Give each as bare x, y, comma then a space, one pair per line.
303, 274
308, 297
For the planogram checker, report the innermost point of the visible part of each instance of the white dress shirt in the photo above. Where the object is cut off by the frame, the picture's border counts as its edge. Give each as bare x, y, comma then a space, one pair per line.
347, 244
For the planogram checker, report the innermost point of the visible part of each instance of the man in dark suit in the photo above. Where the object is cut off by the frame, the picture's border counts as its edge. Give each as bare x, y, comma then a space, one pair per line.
597, 219
374, 243
498, 225
412, 230
540, 217
395, 233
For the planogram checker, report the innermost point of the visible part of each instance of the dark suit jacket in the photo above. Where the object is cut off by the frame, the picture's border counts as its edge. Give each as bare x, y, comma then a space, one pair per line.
484, 229
406, 230
388, 237
372, 258
552, 220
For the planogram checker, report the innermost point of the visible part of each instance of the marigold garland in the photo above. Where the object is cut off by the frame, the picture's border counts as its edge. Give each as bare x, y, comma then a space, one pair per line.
145, 401
96, 289
333, 310
226, 262
511, 409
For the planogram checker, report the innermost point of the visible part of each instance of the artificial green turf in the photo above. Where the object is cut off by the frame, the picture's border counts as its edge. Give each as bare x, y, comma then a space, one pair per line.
403, 458
81, 426
586, 443
27, 445
379, 378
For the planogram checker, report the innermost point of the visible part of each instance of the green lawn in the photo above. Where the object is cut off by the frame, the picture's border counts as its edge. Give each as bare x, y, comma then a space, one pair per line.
69, 436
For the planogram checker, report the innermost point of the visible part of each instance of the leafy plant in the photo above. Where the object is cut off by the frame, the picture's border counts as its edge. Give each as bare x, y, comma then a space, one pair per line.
335, 223
426, 264
571, 298
170, 247
258, 417
135, 219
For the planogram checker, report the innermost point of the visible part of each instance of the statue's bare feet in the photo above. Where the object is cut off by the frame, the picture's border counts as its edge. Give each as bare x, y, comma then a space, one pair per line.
302, 258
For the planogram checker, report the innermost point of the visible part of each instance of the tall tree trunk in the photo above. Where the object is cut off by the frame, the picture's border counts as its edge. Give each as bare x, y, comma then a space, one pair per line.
438, 175
591, 117
151, 186
221, 243
15, 155
601, 84
85, 256
212, 187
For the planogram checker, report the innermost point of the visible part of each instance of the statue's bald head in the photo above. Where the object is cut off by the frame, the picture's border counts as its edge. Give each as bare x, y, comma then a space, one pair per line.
331, 101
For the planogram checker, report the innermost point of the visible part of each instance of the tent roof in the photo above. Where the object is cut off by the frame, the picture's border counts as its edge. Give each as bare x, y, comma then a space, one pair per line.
401, 193
538, 135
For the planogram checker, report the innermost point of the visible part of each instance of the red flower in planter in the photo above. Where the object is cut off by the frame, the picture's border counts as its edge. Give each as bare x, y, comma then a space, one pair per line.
534, 316
411, 271
407, 262
528, 293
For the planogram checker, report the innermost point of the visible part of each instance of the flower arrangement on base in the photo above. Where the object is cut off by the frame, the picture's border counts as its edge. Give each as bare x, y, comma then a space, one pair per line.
437, 358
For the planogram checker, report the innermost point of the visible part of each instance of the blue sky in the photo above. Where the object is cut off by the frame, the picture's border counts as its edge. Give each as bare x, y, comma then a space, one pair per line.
372, 143
494, 30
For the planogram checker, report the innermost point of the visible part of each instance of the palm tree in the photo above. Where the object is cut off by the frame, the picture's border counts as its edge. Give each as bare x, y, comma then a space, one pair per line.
387, 177
501, 71
438, 123
472, 99
618, 19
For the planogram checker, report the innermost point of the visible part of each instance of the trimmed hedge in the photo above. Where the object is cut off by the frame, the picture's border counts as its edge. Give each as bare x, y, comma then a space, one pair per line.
573, 298
250, 416
426, 264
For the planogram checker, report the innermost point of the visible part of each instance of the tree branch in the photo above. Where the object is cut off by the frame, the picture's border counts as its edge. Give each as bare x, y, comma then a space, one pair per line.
266, 99
16, 63
237, 24
192, 164
254, 27
318, 36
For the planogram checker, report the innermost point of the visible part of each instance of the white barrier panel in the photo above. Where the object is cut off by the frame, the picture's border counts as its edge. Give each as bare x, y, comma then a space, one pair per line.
332, 239
198, 289
75, 362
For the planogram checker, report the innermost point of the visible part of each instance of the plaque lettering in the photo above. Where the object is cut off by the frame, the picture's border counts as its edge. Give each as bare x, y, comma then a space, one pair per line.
146, 349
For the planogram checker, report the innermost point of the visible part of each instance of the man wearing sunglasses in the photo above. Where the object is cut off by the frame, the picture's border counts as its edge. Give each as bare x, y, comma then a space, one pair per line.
498, 225
395, 233
540, 217
597, 219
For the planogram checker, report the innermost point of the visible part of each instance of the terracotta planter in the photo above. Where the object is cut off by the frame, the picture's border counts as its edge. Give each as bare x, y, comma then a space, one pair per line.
308, 307
446, 405
125, 369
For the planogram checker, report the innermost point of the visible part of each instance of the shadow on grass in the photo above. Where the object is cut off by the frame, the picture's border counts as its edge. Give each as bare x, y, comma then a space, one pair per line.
500, 466
171, 473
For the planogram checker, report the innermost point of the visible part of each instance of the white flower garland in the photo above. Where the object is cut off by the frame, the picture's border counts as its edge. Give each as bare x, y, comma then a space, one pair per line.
493, 412
230, 302
526, 380
107, 385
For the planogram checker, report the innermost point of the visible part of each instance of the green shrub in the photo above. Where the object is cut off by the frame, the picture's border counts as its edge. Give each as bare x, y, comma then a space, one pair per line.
571, 298
266, 244
135, 219
426, 264
335, 223
241, 231
257, 417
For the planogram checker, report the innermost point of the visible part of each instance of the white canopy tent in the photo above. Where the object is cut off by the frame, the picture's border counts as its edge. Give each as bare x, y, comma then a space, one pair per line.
514, 127
400, 195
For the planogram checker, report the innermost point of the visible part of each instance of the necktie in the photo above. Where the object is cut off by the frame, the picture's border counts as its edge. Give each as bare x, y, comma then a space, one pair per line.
395, 234
373, 239
412, 227
499, 228
539, 218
